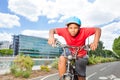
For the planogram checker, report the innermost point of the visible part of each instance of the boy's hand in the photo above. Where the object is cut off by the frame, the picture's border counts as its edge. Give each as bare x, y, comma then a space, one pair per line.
93, 46
51, 41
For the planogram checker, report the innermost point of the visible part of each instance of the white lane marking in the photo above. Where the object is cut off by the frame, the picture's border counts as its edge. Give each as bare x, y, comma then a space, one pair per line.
110, 77
103, 78
117, 79
36, 78
49, 76
91, 75
103, 69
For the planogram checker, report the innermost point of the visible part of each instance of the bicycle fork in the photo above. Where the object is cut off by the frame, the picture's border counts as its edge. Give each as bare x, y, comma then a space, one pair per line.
68, 66
69, 72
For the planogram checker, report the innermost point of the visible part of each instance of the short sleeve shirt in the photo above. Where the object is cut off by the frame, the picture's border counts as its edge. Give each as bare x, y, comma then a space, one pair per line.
78, 40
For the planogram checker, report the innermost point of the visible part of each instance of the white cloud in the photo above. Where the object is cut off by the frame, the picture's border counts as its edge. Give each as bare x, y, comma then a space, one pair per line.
109, 6
90, 13
43, 34
24, 8
5, 36
32, 9
8, 20
35, 33
51, 21
109, 34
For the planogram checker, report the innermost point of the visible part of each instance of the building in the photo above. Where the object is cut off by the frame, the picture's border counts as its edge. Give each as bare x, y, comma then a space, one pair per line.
34, 46
5, 45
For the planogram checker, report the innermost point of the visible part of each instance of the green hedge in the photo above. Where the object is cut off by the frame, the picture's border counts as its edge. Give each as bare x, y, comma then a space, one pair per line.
92, 60
5, 52
99, 59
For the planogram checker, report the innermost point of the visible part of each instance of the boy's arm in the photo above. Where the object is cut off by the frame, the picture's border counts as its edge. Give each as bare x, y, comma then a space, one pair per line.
94, 45
51, 39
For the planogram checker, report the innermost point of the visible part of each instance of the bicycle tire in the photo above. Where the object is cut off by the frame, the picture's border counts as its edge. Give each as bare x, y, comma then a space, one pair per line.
75, 77
66, 77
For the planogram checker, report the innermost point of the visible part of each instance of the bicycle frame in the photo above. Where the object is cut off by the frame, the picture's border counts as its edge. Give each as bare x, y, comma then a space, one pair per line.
70, 68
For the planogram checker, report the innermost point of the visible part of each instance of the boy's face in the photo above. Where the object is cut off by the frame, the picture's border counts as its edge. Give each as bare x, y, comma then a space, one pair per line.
73, 29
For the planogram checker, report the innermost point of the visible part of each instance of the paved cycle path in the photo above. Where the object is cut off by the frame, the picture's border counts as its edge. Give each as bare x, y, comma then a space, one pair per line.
104, 71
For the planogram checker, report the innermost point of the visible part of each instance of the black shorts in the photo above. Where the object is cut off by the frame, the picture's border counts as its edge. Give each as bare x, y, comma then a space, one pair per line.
80, 64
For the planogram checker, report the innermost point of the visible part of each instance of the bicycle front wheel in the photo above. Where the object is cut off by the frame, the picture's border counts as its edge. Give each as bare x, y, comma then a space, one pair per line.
66, 77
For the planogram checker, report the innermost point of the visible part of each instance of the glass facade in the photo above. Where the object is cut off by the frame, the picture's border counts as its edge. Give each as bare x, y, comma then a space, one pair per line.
34, 46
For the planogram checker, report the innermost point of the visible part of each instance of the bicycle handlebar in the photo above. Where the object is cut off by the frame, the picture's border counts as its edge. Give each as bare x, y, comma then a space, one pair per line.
59, 44
76, 48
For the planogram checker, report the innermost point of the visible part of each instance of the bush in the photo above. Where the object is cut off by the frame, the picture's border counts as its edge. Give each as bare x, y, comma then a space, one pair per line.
92, 60
45, 68
18, 73
24, 62
13, 68
26, 74
55, 63
22, 66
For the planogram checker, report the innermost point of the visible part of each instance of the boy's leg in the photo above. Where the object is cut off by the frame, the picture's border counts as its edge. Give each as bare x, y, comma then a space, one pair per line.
81, 64
81, 78
62, 65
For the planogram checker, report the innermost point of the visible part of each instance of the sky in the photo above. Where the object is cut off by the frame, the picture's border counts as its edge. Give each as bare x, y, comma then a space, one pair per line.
37, 17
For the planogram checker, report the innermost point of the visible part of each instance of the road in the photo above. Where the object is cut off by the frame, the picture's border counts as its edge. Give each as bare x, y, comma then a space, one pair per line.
105, 71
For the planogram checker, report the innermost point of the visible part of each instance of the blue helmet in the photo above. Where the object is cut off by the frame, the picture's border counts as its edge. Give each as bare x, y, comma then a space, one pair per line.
73, 20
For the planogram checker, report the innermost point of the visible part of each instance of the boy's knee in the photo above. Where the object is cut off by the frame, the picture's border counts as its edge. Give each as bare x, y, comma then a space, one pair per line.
62, 60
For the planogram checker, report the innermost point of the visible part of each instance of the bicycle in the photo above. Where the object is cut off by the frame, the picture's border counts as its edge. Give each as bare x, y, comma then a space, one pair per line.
70, 65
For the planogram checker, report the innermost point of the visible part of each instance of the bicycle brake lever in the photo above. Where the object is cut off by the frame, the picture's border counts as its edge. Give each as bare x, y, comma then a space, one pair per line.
87, 47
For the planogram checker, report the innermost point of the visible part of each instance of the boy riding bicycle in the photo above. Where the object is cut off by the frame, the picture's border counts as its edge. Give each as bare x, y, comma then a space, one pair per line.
74, 35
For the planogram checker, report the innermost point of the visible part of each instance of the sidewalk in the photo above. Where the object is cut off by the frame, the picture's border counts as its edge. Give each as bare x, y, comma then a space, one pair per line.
4, 71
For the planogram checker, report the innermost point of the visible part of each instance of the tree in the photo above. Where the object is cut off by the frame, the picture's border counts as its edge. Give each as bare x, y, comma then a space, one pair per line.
116, 46
108, 53
98, 51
